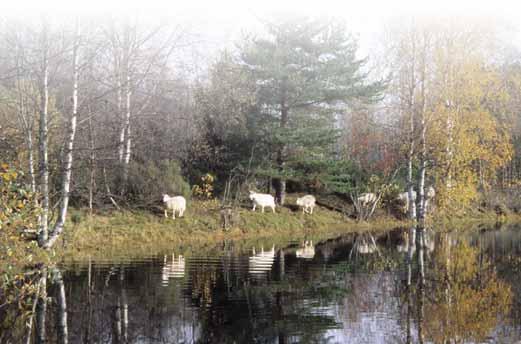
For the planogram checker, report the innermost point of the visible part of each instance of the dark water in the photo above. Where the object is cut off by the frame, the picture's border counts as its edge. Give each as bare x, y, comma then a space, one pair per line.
456, 288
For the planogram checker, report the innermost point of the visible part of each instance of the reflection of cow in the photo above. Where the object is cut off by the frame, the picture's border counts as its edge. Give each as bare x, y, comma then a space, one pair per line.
174, 268
366, 247
261, 262
307, 251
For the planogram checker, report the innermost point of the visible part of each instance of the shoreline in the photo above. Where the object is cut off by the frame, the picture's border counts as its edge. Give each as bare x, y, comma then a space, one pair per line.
137, 234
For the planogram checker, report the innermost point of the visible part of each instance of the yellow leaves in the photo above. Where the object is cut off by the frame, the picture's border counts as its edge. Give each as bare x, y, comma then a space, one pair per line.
205, 189
467, 143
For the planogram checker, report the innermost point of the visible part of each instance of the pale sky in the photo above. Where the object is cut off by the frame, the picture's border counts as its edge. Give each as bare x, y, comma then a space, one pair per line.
221, 22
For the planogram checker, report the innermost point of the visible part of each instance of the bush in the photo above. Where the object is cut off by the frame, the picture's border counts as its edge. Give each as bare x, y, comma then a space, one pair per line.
148, 182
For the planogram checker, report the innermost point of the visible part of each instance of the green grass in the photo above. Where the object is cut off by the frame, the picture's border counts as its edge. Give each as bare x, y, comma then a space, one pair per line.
126, 234
116, 234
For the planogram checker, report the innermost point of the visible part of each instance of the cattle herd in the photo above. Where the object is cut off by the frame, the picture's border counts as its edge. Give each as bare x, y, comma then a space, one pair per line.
307, 203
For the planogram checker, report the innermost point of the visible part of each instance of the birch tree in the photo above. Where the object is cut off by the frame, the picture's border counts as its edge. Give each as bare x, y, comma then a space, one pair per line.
69, 145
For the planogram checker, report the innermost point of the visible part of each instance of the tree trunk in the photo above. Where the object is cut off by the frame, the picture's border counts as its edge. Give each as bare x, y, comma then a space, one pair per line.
67, 165
411, 204
119, 102
421, 206
410, 185
43, 142
280, 183
126, 126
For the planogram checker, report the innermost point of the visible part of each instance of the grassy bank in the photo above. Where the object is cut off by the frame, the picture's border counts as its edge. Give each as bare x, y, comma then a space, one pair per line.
134, 234
138, 233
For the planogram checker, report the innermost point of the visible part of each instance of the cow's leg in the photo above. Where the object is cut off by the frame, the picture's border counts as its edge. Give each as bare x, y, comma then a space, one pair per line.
273, 208
173, 214
166, 213
181, 212
254, 205
262, 209
311, 210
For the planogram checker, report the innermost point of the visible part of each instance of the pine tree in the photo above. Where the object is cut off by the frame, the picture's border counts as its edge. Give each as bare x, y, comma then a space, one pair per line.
306, 72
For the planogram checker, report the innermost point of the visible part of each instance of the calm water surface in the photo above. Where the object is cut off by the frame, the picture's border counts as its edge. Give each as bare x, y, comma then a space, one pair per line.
463, 288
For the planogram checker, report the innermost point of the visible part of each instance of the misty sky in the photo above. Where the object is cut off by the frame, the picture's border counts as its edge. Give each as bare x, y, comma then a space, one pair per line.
218, 24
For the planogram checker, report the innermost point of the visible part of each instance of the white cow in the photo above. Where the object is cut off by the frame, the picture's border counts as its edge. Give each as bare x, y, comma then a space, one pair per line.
262, 200
176, 203
307, 251
367, 198
307, 203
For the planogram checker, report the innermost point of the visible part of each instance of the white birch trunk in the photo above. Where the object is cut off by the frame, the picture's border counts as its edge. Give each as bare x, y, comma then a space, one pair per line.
67, 165
128, 145
423, 137
411, 103
43, 142
121, 143
128, 142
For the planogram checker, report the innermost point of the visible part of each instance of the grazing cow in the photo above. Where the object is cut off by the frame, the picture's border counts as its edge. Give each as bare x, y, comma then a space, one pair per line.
262, 200
176, 203
367, 198
307, 203
307, 251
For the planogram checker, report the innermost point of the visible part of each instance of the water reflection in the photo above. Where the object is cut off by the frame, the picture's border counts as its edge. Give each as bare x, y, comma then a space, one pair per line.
306, 251
261, 262
173, 268
411, 285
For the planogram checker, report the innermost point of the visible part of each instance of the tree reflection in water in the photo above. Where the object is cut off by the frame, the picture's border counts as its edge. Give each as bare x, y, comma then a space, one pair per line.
466, 299
405, 286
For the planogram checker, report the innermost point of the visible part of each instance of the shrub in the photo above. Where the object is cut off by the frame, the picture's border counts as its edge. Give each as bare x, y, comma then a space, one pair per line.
204, 189
147, 182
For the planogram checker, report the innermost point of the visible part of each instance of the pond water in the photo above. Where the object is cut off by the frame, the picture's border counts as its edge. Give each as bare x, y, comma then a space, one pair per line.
406, 286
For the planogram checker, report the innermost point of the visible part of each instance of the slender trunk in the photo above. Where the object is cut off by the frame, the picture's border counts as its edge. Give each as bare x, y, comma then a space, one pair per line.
280, 183
449, 149
92, 165
126, 127
23, 115
119, 100
127, 120
421, 206
43, 142
67, 165
411, 205
61, 319
30, 166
